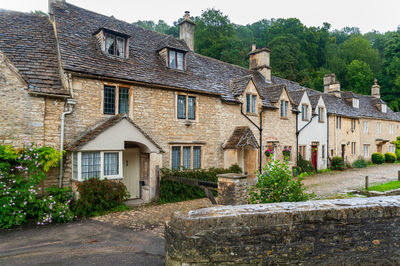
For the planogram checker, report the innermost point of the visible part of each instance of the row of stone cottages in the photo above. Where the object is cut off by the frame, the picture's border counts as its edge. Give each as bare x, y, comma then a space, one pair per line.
122, 100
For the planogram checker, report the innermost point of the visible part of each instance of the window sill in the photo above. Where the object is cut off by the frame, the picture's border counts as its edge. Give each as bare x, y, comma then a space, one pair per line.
251, 114
284, 118
305, 120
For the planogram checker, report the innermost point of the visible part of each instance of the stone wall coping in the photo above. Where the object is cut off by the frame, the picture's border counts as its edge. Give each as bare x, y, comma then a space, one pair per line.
233, 176
291, 212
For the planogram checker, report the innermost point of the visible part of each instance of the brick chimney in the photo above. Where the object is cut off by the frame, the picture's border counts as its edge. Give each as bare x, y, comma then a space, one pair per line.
331, 85
376, 89
259, 60
186, 27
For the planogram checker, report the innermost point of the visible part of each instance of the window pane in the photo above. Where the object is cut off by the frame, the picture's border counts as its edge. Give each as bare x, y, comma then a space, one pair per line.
282, 108
110, 44
253, 103
172, 59
286, 106
191, 108
123, 100
196, 157
90, 164
179, 60
111, 163
181, 107
120, 47
248, 103
109, 100
186, 157
176, 157
75, 165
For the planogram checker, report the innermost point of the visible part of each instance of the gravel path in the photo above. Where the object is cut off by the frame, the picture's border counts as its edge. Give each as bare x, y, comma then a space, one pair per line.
330, 184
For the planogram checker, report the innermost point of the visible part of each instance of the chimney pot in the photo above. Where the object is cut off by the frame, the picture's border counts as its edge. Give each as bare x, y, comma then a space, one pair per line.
376, 89
259, 60
331, 85
253, 46
187, 15
187, 30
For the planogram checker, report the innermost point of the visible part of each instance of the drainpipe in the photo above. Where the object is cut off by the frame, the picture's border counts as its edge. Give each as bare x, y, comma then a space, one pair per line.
327, 140
298, 131
297, 140
259, 129
71, 103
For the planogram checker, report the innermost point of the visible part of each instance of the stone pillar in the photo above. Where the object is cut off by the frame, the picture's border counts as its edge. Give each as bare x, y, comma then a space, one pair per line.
232, 189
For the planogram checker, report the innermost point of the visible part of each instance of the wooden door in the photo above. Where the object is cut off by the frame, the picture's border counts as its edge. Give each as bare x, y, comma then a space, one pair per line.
144, 168
314, 157
343, 151
131, 170
250, 162
379, 148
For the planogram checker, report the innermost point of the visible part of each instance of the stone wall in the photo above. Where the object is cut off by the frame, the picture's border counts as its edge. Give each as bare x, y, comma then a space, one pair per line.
338, 232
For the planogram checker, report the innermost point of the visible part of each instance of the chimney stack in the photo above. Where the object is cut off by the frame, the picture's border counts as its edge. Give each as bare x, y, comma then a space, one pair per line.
187, 30
376, 89
331, 85
260, 61
52, 2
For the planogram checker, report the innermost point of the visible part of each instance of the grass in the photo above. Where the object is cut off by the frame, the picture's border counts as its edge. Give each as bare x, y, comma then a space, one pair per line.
385, 187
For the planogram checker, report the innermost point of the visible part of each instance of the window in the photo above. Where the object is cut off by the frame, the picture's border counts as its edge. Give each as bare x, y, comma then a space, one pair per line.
353, 124
384, 108
338, 122
248, 103
284, 107
302, 151
378, 127
366, 150
365, 126
353, 148
115, 45
99, 164
392, 148
323, 151
190, 156
111, 164
90, 165
356, 103
321, 114
110, 100
251, 103
175, 59
75, 165
304, 112
186, 105
390, 129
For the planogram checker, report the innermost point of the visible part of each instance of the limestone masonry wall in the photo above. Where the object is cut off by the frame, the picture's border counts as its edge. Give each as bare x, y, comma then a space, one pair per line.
331, 232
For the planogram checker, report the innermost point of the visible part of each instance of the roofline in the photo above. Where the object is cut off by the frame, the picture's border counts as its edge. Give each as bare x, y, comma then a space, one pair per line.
54, 95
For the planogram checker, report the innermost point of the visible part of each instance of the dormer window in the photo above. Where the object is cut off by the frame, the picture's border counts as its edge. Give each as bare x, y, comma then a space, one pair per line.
115, 45
384, 108
175, 59
251, 102
356, 103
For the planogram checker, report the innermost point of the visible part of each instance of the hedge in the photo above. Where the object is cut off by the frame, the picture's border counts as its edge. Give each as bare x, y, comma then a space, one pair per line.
378, 158
337, 163
390, 157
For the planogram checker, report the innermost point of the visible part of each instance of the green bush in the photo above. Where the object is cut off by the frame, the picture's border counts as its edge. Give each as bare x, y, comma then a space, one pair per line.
21, 171
99, 196
390, 157
171, 191
397, 143
360, 163
276, 184
378, 158
337, 163
305, 166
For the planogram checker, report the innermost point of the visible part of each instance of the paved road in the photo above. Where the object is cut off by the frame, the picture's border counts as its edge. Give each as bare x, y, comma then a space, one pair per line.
80, 243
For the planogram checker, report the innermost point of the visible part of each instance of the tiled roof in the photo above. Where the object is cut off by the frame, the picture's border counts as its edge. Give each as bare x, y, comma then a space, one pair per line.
274, 92
101, 127
314, 99
296, 96
241, 136
29, 43
171, 42
349, 95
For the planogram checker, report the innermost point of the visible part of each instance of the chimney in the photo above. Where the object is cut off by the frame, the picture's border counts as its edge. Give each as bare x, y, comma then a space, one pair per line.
259, 60
52, 2
376, 89
331, 85
187, 30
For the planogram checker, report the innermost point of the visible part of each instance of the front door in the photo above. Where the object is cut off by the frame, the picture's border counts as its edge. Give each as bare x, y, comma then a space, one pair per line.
314, 156
379, 148
343, 151
250, 162
131, 168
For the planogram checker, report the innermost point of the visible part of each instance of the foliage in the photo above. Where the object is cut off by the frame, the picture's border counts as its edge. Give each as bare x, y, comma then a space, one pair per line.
171, 191
359, 76
322, 171
21, 171
276, 184
397, 144
337, 163
305, 166
99, 196
378, 158
390, 157
286, 153
385, 187
360, 163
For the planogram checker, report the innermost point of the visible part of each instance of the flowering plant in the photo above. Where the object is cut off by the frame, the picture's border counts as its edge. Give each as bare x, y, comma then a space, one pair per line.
269, 152
286, 153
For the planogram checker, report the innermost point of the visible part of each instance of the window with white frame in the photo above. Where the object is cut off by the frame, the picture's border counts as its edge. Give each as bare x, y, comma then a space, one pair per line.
338, 122
384, 108
304, 112
97, 164
391, 129
186, 157
366, 150
392, 148
378, 127
176, 59
356, 103
365, 126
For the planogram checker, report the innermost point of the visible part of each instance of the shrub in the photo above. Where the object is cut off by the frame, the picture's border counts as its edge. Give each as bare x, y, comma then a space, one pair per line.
305, 166
171, 191
337, 163
21, 171
397, 143
378, 158
99, 196
276, 184
390, 157
360, 163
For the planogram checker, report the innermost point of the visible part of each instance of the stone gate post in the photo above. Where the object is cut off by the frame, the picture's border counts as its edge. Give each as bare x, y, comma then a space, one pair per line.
232, 189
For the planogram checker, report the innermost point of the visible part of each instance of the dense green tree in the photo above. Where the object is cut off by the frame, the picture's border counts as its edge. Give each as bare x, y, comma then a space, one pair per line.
359, 76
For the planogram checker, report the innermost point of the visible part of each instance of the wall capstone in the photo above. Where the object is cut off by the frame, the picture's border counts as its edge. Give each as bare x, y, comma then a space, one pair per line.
232, 189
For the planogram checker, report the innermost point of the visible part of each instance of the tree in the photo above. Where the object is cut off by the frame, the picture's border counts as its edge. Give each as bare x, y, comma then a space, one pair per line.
359, 76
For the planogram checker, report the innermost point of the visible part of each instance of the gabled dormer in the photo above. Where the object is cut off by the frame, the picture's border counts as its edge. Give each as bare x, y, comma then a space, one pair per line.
351, 98
173, 53
112, 39
245, 91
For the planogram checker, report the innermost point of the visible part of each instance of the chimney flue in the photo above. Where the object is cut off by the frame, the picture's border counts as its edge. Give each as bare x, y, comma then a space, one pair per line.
253, 46
187, 30
376, 89
331, 85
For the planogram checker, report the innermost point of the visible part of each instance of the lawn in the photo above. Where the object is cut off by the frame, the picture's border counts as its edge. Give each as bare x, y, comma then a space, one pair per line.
385, 187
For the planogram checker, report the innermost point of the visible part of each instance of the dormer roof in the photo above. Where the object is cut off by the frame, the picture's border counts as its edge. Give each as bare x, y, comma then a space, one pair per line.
172, 43
113, 26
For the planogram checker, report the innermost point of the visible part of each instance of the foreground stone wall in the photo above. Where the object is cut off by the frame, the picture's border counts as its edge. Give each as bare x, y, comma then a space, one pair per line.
347, 231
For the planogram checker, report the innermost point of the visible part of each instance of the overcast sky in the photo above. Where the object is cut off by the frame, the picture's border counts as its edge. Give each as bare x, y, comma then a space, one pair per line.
367, 15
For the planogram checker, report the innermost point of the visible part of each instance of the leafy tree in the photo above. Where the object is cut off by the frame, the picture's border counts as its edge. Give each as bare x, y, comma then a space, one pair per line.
360, 77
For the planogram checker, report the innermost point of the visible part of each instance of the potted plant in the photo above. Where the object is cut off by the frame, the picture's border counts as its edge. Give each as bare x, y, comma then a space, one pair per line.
286, 153
268, 152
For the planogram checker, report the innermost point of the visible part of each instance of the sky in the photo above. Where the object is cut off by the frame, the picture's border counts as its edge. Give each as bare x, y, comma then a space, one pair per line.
367, 15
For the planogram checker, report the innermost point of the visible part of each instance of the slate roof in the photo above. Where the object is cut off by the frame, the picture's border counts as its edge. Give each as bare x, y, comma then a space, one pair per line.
296, 96
241, 136
101, 127
314, 100
28, 42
